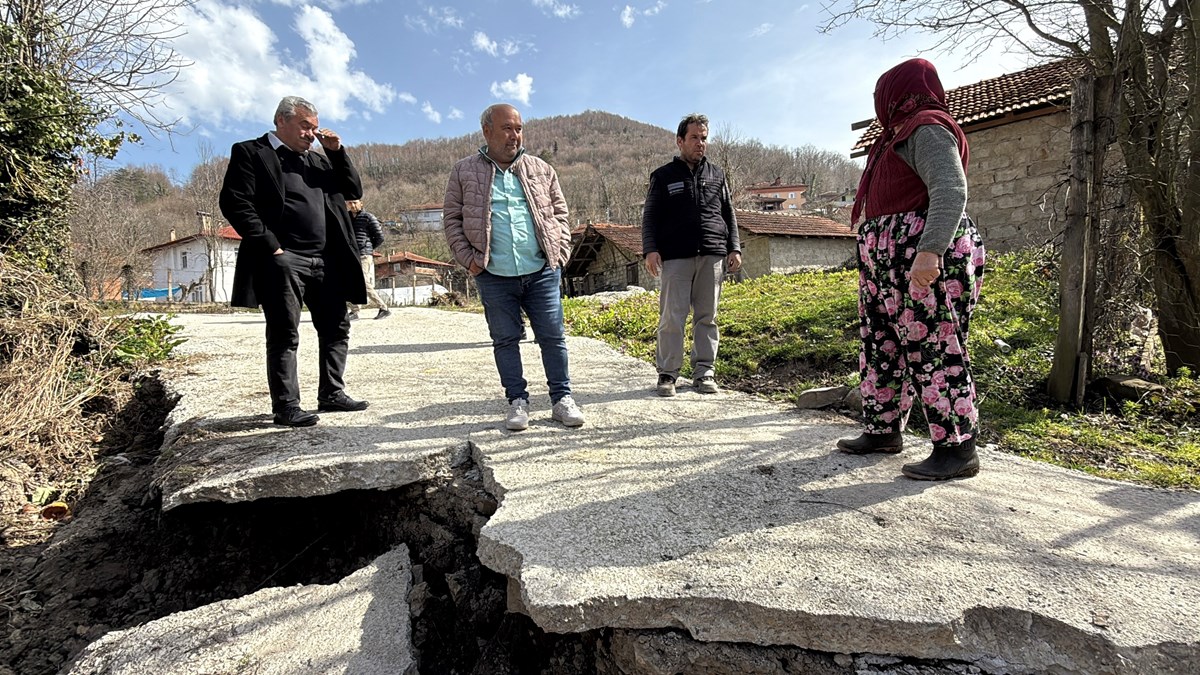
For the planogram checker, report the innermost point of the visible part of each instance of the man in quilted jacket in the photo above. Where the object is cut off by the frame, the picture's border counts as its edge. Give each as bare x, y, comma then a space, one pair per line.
368, 236
505, 220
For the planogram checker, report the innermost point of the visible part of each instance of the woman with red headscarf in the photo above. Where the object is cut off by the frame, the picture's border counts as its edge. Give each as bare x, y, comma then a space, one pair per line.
920, 263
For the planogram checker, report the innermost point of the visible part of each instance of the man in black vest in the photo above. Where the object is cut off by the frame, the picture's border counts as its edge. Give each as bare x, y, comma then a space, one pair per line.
289, 206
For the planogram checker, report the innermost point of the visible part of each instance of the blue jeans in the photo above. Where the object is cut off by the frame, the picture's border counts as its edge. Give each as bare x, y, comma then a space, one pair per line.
538, 295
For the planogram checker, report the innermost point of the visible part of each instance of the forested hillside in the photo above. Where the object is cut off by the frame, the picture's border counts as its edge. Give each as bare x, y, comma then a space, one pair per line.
603, 161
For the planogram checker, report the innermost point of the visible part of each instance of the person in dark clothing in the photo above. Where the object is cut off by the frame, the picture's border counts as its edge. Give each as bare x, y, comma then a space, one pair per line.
289, 206
368, 235
690, 236
920, 267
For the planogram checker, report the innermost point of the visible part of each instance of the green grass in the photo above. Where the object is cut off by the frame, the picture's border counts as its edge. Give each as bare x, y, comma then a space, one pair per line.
782, 334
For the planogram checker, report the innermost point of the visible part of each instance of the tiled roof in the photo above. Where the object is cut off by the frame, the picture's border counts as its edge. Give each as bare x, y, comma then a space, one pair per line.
790, 224
777, 187
628, 238
414, 258
1042, 86
223, 232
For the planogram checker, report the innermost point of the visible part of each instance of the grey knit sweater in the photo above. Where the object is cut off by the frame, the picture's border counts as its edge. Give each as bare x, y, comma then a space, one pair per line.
932, 152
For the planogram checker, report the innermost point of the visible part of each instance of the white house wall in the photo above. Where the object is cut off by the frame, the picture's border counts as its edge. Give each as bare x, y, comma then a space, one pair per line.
170, 258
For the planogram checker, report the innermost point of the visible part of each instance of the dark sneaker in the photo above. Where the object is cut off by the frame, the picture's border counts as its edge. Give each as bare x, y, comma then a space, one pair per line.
295, 417
707, 385
383, 313
869, 444
666, 385
352, 316
340, 402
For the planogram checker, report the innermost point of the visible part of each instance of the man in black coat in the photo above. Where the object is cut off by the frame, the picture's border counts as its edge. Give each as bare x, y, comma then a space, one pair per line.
289, 206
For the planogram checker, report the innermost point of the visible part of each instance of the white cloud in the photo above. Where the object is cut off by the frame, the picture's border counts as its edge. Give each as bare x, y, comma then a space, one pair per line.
761, 30
406, 97
481, 42
331, 4
454, 114
433, 19
629, 14
516, 89
556, 8
431, 114
234, 80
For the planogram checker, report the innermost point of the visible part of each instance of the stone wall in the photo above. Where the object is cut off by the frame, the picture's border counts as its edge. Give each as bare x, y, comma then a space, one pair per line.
1017, 181
783, 255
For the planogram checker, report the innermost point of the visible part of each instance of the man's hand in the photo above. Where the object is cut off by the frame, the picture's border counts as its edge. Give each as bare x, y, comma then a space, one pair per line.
927, 267
474, 269
653, 264
734, 261
329, 139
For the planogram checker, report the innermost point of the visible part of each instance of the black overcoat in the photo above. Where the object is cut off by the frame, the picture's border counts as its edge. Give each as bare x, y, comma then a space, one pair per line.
252, 201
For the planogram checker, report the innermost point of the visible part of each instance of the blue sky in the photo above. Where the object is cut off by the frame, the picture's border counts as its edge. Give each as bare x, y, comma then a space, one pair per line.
388, 72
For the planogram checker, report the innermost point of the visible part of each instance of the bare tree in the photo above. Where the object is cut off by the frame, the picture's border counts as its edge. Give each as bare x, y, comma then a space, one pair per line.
1143, 65
116, 54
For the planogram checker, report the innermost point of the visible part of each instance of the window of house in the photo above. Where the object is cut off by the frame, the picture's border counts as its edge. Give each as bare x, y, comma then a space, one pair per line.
791, 206
631, 274
791, 195
183, 260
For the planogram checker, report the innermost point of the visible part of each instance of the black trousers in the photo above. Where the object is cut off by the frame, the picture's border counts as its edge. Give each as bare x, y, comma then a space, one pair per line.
289, 281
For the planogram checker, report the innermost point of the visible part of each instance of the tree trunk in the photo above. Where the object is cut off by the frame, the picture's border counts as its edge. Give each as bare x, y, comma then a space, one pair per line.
1069, 370
1177, 286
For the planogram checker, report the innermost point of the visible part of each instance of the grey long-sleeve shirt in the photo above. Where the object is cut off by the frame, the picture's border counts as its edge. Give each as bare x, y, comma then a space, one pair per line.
932, 152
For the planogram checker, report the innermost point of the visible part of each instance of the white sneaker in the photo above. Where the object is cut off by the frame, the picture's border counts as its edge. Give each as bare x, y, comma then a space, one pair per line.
567, 412
518, 415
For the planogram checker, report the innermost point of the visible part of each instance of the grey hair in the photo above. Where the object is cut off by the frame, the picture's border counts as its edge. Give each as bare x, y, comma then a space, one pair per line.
288, 105
485, 118
694, 118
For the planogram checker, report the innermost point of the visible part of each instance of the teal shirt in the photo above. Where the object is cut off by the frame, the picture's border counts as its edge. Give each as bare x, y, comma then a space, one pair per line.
514, 245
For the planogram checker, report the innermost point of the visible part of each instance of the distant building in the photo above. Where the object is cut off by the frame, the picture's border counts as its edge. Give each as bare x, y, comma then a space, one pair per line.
608, 256
784, 242
405, 269
196, 268
776, 196
1019, 130
420, 218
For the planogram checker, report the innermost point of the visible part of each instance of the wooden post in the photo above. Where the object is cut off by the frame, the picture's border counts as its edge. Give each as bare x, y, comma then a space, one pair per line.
1068, 372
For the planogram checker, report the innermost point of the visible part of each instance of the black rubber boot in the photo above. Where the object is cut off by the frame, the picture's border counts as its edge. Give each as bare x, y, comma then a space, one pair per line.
867, 444
946, 462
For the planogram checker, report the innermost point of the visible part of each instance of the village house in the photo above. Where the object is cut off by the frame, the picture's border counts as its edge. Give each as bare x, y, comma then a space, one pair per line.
605, 257
419, 218
196, 268
781, 242
776, 196
608, 256
1019, 128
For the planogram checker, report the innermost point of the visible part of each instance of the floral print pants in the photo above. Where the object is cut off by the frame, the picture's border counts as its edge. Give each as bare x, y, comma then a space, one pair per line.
914, 341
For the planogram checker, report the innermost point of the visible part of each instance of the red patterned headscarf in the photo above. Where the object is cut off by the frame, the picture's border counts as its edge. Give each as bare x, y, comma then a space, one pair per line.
906, 97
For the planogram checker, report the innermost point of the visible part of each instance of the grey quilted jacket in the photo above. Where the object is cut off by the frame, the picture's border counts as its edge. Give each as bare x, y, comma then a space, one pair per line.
467, 212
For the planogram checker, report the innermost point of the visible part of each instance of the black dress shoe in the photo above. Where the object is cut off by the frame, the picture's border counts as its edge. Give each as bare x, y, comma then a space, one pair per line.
295, 417
341, 403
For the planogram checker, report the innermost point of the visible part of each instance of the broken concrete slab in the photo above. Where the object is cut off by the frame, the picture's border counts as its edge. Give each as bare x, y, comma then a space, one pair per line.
427, 389
359, 625
734, 519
